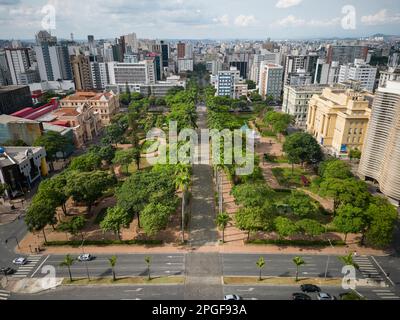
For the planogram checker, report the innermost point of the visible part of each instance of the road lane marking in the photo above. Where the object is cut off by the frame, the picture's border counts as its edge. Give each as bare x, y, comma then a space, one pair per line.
383, 271
40, 266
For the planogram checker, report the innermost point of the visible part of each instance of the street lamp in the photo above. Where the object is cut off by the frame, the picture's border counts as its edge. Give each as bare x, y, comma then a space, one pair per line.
6, 241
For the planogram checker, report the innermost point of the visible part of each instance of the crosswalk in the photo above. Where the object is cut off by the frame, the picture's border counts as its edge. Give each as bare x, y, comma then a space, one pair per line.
25, 270
4, 295
368, 269
386, 294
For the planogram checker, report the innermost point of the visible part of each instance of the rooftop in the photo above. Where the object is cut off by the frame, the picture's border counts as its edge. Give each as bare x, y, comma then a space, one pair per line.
14, 155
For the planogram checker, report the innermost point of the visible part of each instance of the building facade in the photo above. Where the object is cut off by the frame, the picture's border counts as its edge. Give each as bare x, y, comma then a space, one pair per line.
380, 160
14, 98
81, 71
270, 82
361, 72
338, 120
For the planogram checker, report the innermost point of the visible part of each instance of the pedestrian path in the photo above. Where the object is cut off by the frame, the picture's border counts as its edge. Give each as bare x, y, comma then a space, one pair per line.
4, 295
386, 294
368, 269
25, 270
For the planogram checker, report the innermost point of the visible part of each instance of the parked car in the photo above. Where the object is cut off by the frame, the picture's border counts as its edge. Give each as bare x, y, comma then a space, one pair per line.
325, 296
20, 261
300, 296
310, 288
7, 271
232, 297
85, 257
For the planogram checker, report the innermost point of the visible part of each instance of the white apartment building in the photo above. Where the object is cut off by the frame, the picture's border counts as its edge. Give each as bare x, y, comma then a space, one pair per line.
327, 73
19, 61
132, 73
296, 99
185, 65
268, 57
270, 82
131, 43
53, 62
361, 72
225, 83
100, 74
300, 78
392, 74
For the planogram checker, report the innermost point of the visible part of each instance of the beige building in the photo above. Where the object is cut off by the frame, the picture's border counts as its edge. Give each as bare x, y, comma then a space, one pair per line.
338, 119
380, 160
106, 105
81, 71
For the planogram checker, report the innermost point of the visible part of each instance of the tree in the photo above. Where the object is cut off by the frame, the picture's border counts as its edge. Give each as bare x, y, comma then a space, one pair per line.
68, 262
113, 262
74, 226
335, 169
106, 153
222, 222
123, 158
148, 263
278, 122
114, 134
54, 190
298, 261
183, 181
381, 221
310, 227
54, 143
354, 154
260, 265
285, 227
252, 219
87, 187
154, 218
87, 162
348, 260
302, 148
349, 219
302, 205
252, 194
115, 218
136, 156
39, 214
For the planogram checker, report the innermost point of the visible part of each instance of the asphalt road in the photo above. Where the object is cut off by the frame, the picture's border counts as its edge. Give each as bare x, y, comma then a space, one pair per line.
10, 231
127, 265
165, 292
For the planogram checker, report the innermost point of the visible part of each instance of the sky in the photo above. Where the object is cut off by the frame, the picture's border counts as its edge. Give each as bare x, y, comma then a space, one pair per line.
199, 19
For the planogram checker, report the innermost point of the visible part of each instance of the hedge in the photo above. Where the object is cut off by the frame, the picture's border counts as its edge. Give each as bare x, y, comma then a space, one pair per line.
78, 243
300, 243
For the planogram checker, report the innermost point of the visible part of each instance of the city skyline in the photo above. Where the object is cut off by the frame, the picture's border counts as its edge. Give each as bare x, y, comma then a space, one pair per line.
178, 19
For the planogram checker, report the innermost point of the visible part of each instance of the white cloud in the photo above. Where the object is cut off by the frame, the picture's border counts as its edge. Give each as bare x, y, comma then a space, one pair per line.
292, 21
224, 20
245, 21
288, 3
380, 18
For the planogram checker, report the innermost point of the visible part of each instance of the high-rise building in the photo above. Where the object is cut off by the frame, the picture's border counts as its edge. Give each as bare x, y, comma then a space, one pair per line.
326, 73
359, 71
296, 99
5, 76
44, 37
81, 71
19, 61
142, 72
270, 82
392, 74
300, 64
268, 57
338, 120
226, 80
181, 50
185, 65
346, 54
156, 58
165, 54
100, 75
53, 62
131, 44
380, 160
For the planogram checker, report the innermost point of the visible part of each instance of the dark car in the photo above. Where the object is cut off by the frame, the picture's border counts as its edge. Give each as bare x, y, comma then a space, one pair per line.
310, 288
300, 296
7, 271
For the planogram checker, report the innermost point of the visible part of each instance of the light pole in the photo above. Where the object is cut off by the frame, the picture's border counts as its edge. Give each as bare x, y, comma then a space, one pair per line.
83, 252
327, 262
6, 241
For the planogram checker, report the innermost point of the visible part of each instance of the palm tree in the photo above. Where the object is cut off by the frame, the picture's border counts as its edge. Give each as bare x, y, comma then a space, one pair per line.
113, 262
182, 182
349, 260
148, 262
222, 222
260, 264
68, 262
298, 261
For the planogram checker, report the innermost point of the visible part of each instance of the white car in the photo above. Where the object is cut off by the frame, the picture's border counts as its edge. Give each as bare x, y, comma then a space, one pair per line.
85, 257
232, 297
324, 296
20, 261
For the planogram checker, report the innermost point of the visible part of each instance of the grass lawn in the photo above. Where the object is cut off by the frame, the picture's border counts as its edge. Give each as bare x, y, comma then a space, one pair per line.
131, 280
281, 281
288, 179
